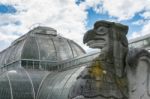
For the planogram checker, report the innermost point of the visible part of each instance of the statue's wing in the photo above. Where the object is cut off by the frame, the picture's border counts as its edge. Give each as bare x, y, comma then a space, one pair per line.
138, 71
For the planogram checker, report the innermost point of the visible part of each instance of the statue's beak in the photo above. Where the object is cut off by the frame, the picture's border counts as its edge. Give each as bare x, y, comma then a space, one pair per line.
89, 35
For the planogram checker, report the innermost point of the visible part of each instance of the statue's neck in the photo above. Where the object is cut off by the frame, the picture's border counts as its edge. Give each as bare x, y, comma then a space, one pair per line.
106, 56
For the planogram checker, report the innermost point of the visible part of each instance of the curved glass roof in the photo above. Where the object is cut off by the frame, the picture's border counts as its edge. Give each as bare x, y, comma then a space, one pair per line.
30, 68
19, 83
41, 43
140, 42
57, 85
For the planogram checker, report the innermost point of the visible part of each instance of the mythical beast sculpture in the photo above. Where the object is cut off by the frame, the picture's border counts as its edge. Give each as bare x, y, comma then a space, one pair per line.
138, 71
117, 73
105, 77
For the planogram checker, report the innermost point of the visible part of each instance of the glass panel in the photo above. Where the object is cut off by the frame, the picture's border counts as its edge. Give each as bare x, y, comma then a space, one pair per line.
21, 84
19, 50
57, 86
47, 50
53, 84
70, 82
30, 50
37, 77
77, 50
1, 55
56, 81
134, 45
4, 87
8, 55
140, 44
3, 58
24, 63
63, 49
60, 83
12, 54
44, 91
130, 45
36, 64
30, 65
147, 42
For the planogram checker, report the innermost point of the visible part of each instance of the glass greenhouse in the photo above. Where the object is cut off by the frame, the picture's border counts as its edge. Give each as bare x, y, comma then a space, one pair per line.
43, 65
35, 66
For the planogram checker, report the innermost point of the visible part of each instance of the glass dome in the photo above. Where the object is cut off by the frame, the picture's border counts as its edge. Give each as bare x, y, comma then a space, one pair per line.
42, 44
29, 67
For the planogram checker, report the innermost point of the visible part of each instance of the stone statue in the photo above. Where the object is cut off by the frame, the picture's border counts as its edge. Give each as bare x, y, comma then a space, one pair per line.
105, 78
138, 71
116, 73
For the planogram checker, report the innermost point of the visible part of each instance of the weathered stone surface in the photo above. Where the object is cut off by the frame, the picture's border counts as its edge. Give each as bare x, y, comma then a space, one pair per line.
105, 77
118, 72
138, 71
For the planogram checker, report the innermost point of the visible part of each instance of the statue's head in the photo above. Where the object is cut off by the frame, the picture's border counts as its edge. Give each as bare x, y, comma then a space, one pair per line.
111, 38
98, 36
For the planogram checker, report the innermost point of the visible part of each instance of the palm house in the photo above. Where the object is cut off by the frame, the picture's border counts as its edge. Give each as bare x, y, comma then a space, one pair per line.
29, 66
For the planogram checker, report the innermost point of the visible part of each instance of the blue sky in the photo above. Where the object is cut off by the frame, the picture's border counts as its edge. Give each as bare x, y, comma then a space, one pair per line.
5, 9
71, 18
93, 16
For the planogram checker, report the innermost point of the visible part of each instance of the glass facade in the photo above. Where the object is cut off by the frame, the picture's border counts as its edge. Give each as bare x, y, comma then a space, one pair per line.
20, 83
30, 68
58, 85
43, 65
143, 43
39, 46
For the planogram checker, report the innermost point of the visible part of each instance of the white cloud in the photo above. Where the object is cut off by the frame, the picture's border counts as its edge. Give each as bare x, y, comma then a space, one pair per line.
121, 9
146, 14
124, 9
139, 22
145, 30
64, 15
7, 37
95, 4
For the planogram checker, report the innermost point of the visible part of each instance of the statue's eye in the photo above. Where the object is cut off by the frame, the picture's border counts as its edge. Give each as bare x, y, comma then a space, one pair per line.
102, 30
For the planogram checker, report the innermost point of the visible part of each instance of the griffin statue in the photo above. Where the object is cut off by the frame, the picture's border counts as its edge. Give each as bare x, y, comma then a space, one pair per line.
118, 72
